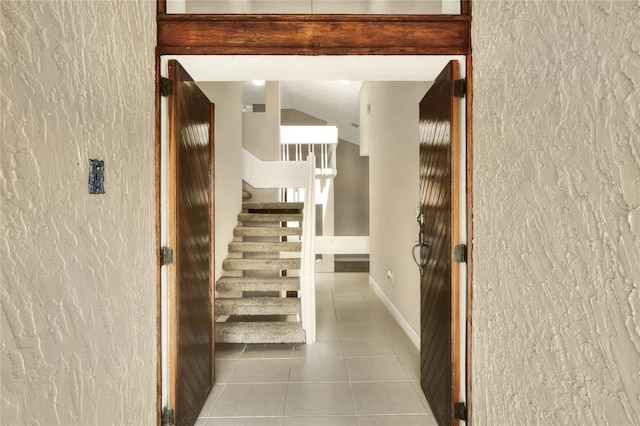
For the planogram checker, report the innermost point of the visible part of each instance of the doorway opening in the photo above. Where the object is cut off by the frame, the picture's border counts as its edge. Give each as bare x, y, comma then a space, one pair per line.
376, 70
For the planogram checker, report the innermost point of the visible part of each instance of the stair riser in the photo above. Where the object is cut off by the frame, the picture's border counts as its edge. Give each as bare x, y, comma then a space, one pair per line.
259, 333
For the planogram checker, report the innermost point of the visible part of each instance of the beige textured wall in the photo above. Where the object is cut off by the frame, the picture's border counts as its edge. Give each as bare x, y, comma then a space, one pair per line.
556, 336
228, 162
78, 271
392, 129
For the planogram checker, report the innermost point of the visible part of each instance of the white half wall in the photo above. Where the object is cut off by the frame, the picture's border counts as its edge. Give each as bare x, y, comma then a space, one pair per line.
78, 271
391, 127
228, 162
556, 267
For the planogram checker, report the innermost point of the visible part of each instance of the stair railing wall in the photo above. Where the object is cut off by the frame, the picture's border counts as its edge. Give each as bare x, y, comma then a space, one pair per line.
272, 174
307, 270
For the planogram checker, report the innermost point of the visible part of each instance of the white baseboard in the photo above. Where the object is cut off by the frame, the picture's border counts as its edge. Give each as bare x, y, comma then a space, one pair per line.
395, 313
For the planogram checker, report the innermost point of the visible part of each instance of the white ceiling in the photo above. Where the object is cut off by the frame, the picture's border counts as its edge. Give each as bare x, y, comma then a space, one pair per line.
311, 83
314, 68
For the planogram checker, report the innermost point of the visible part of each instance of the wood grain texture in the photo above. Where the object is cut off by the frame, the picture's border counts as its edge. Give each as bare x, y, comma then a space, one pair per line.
190, 215
313, 34
439, 152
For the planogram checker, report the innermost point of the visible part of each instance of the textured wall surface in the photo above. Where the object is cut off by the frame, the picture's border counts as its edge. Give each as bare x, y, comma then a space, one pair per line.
78, 270
556, 337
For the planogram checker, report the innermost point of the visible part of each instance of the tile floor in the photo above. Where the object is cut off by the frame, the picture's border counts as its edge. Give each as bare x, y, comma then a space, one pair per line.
362, 371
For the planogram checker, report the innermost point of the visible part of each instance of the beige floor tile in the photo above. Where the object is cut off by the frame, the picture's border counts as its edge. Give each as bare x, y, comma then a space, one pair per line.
375, 369
367, 348
387, 398
229, 350
268, 351
260, 371
411, 366
371, 331
320, 421
212, 399
402, 346
391, 420
224, 368
320, 349
361, 355
318, 399
417, 386
328, 333
319, 370
251, 400
240, 421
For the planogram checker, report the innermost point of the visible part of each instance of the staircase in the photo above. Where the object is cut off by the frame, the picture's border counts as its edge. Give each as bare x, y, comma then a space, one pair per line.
262, 267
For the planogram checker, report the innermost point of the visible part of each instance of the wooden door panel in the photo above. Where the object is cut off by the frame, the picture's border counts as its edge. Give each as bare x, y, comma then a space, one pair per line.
191, 232
438, 167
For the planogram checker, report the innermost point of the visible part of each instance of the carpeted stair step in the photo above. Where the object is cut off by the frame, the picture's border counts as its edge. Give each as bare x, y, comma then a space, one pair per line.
258, 306
236, 284
259, 332
266, 217
272, 206
260, 264
259, 231
264, 247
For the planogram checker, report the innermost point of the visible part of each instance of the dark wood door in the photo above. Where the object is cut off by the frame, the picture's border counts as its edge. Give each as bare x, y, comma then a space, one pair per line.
439, 157
191, 234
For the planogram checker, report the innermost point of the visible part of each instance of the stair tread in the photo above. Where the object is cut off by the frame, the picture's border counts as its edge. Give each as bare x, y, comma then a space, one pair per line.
271, 205
264, 247
262, 280
280, 301
260, 264
259, 332
258, 306
270, 217
260, 231
230, 284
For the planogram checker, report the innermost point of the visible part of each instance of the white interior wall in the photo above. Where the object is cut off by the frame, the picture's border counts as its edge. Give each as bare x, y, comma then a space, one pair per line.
556, 331
261, 135
392, 128
228, 163
78, 271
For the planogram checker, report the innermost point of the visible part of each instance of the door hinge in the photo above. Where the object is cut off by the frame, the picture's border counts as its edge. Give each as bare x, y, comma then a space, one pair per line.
460, 88
460, 411
166, 87
460, 253
168, 416
166, 256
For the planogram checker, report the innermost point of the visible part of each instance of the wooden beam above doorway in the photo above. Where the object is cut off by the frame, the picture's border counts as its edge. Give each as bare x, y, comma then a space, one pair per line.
313, 34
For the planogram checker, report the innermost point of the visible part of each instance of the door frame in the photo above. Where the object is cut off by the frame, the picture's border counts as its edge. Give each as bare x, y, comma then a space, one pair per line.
183, 34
